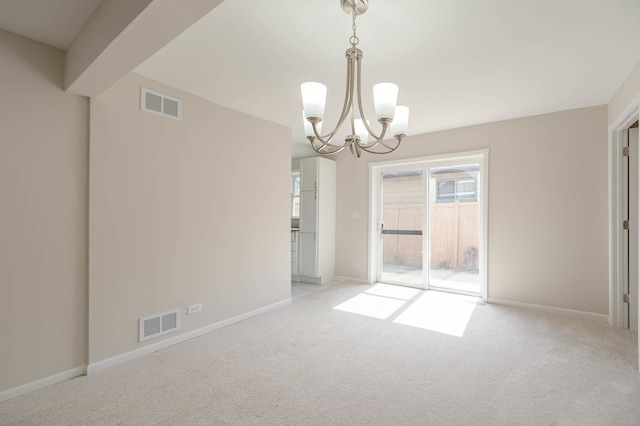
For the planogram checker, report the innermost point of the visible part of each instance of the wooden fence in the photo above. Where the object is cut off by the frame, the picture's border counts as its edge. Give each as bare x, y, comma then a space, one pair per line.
454, 235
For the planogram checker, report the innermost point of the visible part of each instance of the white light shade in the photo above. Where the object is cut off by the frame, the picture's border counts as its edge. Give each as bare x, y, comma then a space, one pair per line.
314, 96
308, 128
401, 121
385, 96
361, 131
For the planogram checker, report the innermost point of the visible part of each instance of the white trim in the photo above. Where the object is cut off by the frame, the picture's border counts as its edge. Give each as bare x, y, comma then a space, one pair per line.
454, 156
628, 116
311, 280
42, 383
374, 224
128, 356
582, 314
484, 221
615, 225
343, 278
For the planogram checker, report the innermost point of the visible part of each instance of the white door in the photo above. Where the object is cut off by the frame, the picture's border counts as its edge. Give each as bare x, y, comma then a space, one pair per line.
634, 228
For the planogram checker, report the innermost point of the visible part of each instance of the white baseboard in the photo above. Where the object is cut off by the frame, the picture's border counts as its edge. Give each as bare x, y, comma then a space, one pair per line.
350, 279
127, 356
581, 314
118, 359
39, 384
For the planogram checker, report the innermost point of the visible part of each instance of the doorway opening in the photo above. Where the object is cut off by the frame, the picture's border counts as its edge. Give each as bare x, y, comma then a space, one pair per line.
429, 223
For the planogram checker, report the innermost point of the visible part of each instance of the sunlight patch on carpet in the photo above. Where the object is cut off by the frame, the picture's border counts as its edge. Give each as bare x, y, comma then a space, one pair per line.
441, 312
371, 306
380, 301
430, 310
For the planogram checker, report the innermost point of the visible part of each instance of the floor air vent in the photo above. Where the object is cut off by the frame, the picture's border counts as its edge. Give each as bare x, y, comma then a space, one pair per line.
159, 324
159, 103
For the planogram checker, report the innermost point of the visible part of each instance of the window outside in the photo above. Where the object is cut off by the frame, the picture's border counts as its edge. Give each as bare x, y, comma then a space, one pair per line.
450, 190
295, 194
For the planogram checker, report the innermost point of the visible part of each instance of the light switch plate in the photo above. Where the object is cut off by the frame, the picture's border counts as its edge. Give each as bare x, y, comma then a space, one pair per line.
192, 309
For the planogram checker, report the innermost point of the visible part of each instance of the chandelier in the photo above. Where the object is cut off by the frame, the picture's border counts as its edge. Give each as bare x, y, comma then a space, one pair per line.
394, 119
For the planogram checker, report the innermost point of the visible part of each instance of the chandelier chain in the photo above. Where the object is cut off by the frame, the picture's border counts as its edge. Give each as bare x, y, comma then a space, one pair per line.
354, 40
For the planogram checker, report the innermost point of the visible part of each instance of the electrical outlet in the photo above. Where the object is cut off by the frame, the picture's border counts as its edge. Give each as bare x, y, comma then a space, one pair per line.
192, 309
355, 265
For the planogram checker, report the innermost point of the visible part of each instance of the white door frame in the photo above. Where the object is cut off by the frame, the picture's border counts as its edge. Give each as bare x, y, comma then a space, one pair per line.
617, 135
375, 219
633, 269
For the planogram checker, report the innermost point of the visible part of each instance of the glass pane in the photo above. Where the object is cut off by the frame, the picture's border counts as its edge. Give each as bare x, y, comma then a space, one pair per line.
402, 213
295, 183
466, 189
454, 232
446, 190
295, 194
295, 207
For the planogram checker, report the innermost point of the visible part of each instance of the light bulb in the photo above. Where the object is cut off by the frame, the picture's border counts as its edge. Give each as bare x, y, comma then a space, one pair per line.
401, 121
385, 96
314, 96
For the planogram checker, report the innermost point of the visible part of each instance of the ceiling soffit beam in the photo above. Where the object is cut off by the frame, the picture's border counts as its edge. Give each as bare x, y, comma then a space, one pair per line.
120, 35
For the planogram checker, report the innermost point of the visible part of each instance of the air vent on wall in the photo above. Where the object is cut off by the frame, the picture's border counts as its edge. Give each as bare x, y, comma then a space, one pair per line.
159, 324
159, 103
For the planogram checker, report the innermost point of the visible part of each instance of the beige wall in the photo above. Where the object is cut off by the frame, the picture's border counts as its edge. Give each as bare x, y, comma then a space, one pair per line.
44, 138
548, 206
625, 94
182, 212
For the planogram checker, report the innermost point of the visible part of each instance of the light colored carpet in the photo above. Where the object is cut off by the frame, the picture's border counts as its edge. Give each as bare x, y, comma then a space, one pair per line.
362, 364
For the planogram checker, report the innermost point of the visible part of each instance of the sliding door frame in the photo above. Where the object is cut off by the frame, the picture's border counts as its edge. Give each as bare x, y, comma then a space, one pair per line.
375, 219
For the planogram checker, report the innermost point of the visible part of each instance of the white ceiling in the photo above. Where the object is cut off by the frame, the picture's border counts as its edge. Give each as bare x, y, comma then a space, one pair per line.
457, 62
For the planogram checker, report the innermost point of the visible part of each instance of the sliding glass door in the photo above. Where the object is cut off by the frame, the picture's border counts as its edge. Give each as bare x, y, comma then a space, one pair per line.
402, 228
429, 221
454, 227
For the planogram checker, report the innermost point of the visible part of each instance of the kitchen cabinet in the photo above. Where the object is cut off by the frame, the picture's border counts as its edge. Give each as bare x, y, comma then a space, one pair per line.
309, 211
294, 253
316, 239
309, 174
308, 247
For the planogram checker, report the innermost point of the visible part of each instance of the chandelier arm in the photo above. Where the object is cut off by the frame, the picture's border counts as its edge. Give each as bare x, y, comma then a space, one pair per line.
312, 139
379, 138
348, 97
380, 152
319, 150
364, 120
389, 148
